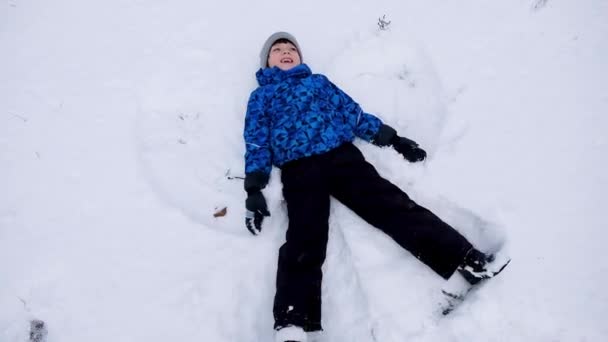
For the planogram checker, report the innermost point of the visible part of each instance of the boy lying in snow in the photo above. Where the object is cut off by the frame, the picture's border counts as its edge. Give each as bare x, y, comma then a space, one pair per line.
305, 125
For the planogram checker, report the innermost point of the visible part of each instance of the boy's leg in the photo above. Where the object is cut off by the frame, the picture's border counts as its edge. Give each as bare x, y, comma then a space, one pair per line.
357, 184
298, 298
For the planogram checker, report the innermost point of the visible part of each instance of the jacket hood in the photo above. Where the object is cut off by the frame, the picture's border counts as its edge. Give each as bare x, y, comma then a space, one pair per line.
274, 75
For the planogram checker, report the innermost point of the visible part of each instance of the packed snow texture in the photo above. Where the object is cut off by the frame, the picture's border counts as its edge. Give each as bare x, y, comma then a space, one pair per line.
121, 135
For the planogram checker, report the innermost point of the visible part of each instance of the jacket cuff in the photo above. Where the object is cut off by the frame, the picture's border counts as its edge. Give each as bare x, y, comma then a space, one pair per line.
256, 181
385, 136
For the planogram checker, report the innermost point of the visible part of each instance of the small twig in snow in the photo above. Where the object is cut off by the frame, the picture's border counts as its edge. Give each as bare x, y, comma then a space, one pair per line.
383, 23
230, 176
24, 303
24, 119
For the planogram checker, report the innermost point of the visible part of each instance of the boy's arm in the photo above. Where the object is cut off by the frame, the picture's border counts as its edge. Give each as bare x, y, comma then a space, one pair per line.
372, 129
258, 162
258, 158
367, 125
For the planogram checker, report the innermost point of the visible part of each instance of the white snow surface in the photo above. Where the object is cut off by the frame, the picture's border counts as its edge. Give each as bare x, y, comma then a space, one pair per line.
120, 119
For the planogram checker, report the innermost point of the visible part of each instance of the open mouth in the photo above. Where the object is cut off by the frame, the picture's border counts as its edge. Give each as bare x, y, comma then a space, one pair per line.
286, 60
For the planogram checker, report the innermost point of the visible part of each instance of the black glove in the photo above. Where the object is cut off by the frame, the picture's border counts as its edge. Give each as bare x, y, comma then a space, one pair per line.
256, 211
387, 136
255, 202
408, 148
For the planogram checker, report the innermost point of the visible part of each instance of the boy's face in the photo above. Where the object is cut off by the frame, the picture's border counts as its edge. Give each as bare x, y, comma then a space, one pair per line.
283, 55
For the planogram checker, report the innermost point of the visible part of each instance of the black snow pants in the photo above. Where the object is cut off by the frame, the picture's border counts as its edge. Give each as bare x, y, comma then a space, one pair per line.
344, 174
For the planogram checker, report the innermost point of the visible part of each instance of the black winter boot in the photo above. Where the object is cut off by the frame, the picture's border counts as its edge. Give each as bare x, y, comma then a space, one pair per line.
478, 266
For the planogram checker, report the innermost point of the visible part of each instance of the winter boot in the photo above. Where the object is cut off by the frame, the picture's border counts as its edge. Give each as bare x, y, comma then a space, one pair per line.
291, 333
478, 266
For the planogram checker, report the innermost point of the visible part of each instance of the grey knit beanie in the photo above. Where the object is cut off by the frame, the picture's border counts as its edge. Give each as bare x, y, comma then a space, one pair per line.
268, 44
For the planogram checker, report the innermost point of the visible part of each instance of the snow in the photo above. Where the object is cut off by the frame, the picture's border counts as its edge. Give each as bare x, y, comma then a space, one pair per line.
120, 119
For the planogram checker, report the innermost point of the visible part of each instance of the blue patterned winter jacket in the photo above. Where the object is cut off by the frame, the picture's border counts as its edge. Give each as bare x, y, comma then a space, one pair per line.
295, 114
